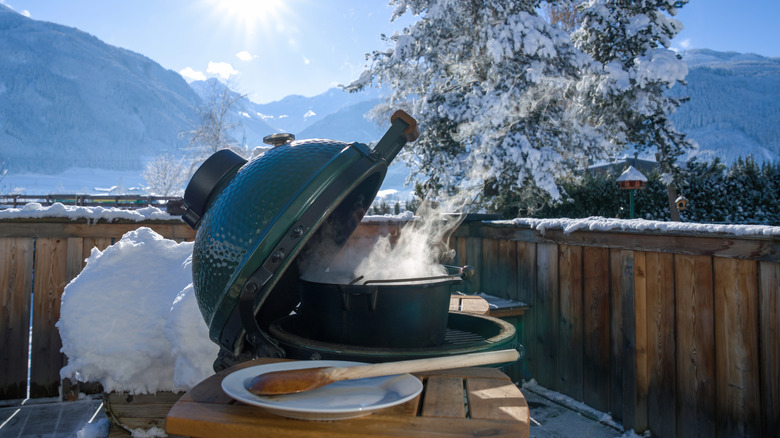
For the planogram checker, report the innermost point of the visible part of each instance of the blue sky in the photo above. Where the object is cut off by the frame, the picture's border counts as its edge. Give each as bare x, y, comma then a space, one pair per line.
280, 47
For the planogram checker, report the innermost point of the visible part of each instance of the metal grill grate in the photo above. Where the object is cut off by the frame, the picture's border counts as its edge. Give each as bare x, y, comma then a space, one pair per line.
461, 337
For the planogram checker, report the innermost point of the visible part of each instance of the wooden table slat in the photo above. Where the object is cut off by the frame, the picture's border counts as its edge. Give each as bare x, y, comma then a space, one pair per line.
444, 397
496, 399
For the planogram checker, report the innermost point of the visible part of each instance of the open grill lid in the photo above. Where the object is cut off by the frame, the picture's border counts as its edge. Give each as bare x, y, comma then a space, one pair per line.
254, 218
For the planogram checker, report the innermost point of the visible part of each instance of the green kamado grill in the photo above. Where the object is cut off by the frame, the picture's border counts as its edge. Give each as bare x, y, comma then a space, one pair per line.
257, 221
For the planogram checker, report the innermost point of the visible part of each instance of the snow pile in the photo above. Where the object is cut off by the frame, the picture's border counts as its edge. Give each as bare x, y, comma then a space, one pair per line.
98, 429
597, 223
36, 210
130, 319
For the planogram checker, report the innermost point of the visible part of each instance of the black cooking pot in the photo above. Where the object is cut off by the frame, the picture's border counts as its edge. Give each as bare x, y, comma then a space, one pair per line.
399, 313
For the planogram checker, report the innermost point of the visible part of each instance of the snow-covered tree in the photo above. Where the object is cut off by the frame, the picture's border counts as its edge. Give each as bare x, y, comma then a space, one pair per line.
564, 15
630, 39
217, 120
491, 84
166, 175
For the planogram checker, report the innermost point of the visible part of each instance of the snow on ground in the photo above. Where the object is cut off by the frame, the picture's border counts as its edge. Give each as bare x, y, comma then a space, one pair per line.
572, 404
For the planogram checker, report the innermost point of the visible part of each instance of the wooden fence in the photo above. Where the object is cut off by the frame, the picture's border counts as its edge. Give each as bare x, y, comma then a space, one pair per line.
674, 332
38, 257
678, 333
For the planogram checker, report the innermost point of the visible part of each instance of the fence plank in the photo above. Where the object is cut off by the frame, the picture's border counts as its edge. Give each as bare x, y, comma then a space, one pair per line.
618, 261
50, 280
526, 292
596, 337
570, 321
89, 243
526, 272
16, 273
474, 258
490, 269
459, 245
75, 257
661, 361
635, 377
770, 346
507, 269
546, 311
695, 339
736, 337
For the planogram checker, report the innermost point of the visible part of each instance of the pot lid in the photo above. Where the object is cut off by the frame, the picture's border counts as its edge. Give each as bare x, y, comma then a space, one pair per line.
257, 219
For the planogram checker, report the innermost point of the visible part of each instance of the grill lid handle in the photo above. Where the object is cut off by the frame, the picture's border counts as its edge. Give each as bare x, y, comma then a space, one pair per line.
404, 129
210, 178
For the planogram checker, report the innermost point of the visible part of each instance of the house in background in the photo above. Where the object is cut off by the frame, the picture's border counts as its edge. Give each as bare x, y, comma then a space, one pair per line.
618, 165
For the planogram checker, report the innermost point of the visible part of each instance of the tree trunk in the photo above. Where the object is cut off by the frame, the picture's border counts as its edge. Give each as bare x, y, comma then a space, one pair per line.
673, 212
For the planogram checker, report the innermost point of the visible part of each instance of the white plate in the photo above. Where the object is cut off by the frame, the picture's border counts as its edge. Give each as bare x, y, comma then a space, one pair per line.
337, 401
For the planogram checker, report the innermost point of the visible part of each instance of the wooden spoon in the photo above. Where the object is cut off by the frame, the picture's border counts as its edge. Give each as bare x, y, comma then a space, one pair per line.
306, 379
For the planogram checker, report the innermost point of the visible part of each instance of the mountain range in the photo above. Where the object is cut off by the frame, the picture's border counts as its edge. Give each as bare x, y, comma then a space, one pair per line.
734, 106
68, 100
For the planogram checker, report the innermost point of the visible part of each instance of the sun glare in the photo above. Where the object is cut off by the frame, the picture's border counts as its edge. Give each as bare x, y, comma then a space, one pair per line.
250, 16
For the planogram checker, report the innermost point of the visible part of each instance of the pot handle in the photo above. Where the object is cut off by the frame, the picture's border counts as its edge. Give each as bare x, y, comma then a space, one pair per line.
464, 273
346, 297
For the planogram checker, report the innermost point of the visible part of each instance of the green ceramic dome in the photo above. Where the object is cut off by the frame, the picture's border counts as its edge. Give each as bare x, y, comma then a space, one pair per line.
254, 220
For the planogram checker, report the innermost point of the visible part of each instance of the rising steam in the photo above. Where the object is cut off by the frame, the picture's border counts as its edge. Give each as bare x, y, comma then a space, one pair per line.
422, 249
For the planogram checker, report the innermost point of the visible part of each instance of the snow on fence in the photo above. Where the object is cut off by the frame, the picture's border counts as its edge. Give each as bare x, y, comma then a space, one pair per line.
117, 201
675, 329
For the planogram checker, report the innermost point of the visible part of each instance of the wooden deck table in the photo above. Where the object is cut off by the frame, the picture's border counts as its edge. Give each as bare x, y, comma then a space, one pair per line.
492, 407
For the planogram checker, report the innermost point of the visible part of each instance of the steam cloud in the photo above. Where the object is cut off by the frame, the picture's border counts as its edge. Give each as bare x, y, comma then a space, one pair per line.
422, 249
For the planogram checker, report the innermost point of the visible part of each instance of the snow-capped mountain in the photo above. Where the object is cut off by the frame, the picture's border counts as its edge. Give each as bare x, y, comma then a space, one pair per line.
69, 100
734, 106
334, 114
295, 113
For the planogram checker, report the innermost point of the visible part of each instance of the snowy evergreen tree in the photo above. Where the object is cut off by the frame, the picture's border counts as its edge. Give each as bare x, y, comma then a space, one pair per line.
744, 193
702, 186
630, 39
491, 84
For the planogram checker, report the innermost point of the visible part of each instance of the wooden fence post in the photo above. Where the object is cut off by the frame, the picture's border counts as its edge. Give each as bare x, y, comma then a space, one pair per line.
16, 273
621, 264
596, 324
51, 276
546, 311
737, 370
769, 316
570, 325
634, 343
661, 360
695, 338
